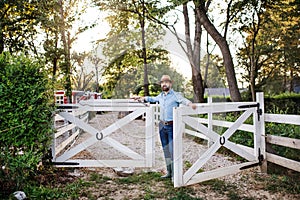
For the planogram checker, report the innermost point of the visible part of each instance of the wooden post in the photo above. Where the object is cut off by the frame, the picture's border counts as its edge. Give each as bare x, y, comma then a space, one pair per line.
150, 136
177, 146
260, 131
210, 121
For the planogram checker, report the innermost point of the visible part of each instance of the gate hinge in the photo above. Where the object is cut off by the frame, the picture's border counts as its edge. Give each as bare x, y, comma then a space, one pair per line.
259, 163
65, 163
259, 111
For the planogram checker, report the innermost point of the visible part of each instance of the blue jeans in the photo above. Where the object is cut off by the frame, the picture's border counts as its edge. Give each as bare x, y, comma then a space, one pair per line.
166, 138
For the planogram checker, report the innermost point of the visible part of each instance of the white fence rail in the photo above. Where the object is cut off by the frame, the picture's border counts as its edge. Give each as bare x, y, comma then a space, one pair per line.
66, 132
185, 116
283, 141
72, 122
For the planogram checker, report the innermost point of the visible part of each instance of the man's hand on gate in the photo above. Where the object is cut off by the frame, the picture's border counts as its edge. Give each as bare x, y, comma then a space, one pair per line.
138, 98
192, 105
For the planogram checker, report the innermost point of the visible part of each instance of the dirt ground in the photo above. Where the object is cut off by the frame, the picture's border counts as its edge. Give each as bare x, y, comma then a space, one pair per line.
248, 184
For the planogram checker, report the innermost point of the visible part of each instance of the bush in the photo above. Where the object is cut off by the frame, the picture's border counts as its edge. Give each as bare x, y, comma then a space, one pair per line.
286, 103
26, 127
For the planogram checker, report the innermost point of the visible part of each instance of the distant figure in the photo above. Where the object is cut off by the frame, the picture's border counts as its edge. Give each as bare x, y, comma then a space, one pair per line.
168, 99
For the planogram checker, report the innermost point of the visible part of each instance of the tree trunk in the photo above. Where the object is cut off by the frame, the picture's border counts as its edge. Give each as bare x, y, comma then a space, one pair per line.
67, 46
223, 45
252, 68
194, 55
144, 52
1, 40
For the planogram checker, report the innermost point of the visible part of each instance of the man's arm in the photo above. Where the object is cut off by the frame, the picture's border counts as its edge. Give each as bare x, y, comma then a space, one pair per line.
185, 101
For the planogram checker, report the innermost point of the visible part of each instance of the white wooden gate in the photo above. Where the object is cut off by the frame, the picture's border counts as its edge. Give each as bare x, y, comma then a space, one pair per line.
254, 156
135, 110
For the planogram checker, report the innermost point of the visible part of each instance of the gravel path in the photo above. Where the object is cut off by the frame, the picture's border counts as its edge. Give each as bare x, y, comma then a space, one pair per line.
132, 135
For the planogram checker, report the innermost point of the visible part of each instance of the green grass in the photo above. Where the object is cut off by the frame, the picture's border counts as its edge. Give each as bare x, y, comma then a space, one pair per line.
149, 185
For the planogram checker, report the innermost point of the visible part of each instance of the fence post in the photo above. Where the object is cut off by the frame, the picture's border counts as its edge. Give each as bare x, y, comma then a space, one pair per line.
150, 136
210, 121
259, 139
177, 146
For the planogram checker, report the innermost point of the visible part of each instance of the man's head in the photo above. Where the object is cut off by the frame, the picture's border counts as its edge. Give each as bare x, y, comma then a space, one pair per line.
165, 83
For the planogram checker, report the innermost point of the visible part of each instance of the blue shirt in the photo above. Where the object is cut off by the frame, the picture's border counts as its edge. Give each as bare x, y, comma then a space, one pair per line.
167, 102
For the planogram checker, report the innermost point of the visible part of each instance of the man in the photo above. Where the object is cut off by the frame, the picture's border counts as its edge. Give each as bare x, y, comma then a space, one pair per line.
168, 99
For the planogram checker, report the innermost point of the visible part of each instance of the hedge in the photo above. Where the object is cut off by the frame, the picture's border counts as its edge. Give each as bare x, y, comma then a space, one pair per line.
27, 106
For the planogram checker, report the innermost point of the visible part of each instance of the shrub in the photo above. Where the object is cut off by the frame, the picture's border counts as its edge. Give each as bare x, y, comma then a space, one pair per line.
25, 119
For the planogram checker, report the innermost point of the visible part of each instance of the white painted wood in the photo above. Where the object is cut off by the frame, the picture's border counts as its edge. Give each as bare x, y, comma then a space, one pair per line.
58, 117
259, 133
210, 121
122, 122
246, 148
231, 130
196, 134
283, 119
76, 149
283, 141
64, 129
288, 163
208, 132
150, 136
66, 142
182, 118
243, 127
240, 151
137, 109
113, 103
203, 108
201, 161
217, 173
177, 147
200, 127
105, 163
81, 124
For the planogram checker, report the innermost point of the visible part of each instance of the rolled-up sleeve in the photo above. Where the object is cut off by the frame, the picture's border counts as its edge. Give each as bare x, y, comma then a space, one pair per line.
181, 99
152, 99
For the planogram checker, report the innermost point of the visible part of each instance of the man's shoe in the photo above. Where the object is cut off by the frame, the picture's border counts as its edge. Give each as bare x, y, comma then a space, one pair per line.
168, 175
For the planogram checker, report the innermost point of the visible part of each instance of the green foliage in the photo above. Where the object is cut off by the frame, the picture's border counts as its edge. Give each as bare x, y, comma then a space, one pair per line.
25, 116
72, 190
20, 24
285, 103
284, 130
270, 55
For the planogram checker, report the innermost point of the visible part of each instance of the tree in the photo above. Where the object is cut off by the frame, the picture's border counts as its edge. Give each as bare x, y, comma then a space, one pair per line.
128, 36
136, 12
216, 77
128, 65
19, 24
193, 54
193, 51
270, 49
61, 32
202, 13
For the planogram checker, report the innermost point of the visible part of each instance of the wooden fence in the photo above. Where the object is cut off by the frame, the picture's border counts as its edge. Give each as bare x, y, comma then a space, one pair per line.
283, 141
72, 122
67, 131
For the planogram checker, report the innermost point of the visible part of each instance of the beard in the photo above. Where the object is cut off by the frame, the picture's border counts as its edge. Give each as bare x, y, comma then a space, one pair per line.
165, 88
